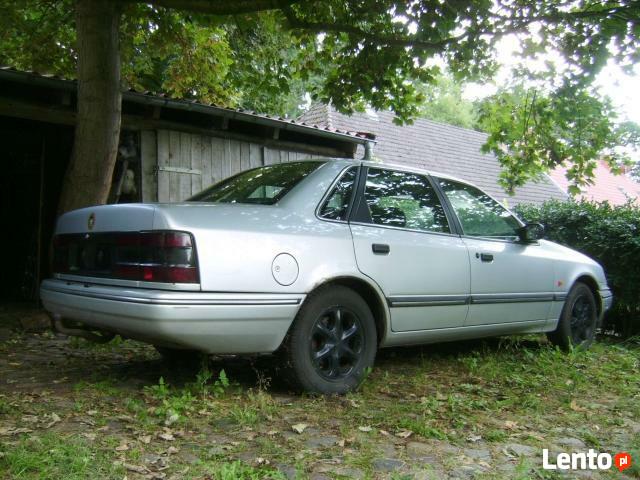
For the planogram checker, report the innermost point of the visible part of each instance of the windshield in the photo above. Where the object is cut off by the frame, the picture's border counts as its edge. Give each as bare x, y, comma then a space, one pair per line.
264, 185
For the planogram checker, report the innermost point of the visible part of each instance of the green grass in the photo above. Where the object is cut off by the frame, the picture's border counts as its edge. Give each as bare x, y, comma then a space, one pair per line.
53, 457
495, 392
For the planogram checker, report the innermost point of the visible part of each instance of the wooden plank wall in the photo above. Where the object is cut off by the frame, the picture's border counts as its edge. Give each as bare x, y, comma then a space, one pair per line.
215, 158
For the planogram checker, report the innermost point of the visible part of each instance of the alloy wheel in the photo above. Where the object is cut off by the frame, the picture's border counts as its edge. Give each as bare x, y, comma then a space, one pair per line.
337, 342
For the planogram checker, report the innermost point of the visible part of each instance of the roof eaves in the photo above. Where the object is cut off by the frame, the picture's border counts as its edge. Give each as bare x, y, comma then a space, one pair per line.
163, 100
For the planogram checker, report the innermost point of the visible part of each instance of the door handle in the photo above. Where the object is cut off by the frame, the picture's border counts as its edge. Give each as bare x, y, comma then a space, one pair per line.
485, 257
380, 248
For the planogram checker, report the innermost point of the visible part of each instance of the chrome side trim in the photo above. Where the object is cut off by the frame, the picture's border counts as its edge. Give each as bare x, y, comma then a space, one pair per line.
428, 300
511, 297
559, 297
478, 299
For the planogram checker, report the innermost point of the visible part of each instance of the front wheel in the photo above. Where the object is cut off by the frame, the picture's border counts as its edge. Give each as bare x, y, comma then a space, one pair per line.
578, 320
332, 342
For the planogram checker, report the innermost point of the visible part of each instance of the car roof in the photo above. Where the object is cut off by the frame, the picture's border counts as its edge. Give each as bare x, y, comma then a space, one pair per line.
397, 166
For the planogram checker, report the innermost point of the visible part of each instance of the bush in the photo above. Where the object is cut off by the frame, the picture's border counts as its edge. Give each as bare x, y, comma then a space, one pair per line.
608, 234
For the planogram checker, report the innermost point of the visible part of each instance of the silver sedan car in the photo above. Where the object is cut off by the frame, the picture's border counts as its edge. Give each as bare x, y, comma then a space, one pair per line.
322, 262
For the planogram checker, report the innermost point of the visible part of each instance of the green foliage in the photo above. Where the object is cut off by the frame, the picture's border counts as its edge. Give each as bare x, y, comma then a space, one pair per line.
608, 234
444, 102
368, 53
56, 456
237, 469
531, 132
173, 404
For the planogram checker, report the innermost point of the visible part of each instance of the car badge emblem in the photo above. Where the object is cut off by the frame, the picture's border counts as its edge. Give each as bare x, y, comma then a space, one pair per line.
92, 221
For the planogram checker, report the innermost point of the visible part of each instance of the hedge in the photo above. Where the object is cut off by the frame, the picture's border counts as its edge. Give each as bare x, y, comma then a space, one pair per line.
608, 234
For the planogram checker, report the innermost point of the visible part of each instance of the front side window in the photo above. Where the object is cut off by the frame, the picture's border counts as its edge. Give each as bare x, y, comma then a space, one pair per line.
404, 199
479, 214
337, 204
264, 185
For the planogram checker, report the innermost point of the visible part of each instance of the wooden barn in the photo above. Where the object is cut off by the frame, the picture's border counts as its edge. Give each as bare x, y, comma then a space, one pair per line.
169, 150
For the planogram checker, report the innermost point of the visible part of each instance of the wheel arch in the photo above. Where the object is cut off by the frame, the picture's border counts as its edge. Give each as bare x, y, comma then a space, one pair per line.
370, 294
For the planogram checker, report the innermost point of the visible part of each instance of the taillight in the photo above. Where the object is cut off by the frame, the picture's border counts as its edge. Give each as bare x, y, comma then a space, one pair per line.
157, 256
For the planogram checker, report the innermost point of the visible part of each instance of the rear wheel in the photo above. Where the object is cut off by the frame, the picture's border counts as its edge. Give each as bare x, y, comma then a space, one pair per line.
578, 320
332, 342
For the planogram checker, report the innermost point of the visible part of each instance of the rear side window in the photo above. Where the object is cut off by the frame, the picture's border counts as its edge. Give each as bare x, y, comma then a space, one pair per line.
337, 204
404, 199
264, 185
479, 214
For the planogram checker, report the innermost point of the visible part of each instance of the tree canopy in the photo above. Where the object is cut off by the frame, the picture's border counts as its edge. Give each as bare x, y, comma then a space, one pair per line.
266, 54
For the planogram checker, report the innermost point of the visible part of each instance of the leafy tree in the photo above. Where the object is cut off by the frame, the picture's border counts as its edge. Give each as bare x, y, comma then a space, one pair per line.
361, 52
444, 102
531, 132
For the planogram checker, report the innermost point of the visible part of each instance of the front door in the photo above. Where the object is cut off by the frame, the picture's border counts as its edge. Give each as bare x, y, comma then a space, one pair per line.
403, 241
510, 281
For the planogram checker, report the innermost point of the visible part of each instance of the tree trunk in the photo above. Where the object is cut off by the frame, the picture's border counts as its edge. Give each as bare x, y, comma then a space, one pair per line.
95, 149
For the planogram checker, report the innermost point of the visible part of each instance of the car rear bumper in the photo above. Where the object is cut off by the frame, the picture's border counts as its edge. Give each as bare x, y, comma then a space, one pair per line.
224, 323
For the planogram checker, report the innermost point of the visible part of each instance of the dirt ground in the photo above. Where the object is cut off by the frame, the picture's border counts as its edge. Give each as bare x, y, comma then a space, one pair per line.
468, 410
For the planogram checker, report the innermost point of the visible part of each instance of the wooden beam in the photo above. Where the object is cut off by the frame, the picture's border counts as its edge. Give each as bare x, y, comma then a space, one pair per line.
347, 150
62, 116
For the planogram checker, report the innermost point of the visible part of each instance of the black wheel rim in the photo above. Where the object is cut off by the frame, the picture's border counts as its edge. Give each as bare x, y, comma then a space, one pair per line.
336, 343
582, 320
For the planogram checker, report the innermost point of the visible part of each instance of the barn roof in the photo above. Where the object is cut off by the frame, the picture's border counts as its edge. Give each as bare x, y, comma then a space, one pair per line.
438, 147
165, 102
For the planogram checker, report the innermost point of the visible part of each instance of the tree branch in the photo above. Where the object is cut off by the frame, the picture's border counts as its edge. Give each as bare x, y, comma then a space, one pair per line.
216, 7
298, 24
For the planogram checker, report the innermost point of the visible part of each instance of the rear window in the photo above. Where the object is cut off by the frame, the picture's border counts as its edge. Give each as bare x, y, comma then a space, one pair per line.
263, 186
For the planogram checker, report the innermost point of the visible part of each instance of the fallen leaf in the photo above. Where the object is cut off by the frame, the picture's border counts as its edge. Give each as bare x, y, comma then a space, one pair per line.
167, 436
136, 468
172, 419
341, 443
92, 412
365, 428
123, 447
146, 439
384, 432
271, 433
299, 427
510, 425
404, 433
172, 450
575, 407
474, 438
54, 419
90, 436
30, 418
262, 461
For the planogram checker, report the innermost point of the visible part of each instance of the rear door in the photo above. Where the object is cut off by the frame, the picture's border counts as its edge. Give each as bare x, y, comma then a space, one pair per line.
403, 240
510, 281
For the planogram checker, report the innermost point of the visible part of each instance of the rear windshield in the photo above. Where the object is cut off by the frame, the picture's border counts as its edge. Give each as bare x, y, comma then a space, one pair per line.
264, 185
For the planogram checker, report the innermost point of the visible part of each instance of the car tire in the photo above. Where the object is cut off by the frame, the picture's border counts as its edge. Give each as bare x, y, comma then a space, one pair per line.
332, 342
578, 320
176, 356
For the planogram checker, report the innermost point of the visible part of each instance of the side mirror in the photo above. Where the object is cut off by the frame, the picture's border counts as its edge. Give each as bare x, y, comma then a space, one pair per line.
531, 232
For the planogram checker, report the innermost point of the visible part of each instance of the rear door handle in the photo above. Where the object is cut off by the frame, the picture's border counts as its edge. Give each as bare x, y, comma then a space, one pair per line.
485, 257
380, 248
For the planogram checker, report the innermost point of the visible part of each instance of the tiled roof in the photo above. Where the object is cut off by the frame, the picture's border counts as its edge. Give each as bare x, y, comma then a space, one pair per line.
615, 189
438, 147
308, 126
